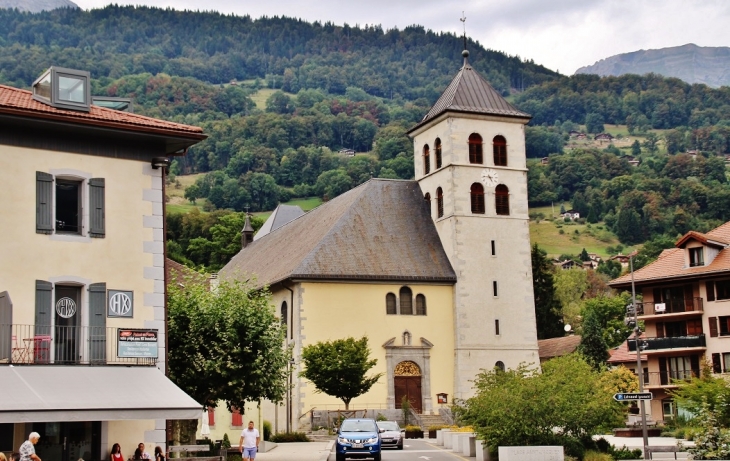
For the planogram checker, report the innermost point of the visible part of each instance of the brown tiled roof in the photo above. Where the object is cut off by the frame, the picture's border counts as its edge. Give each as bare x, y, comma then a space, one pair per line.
671, 262
380, 230
621, 353
469, 92
181, 274
557, 347
17, 102
702, 238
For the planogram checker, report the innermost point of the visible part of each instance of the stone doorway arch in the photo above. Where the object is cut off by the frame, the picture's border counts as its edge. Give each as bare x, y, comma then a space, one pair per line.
412, 358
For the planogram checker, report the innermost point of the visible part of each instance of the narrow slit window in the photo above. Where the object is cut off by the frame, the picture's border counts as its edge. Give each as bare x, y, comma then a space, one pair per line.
494, 248
427, 199
496, 327
437, 148
440, 202
494, 288
426, 160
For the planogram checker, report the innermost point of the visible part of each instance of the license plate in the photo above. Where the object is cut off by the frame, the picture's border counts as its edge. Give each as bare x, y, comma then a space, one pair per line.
358, 445
387, 440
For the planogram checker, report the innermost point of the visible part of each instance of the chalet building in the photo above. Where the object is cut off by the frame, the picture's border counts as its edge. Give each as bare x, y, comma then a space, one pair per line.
82, 285
434, 271
603, 137
622, 259
686, 311
557, 347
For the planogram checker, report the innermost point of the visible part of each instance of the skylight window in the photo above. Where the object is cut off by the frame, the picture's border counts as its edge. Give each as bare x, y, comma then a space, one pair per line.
64, 89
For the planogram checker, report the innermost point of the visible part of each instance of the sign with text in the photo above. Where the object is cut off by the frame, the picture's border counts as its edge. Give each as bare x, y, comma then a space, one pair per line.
133, 343
631, 396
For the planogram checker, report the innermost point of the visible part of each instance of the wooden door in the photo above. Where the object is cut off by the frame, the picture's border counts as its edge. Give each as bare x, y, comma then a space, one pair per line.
409, 387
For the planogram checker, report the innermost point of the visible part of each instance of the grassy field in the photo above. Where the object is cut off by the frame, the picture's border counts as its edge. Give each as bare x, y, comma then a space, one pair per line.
262, 95
306, 204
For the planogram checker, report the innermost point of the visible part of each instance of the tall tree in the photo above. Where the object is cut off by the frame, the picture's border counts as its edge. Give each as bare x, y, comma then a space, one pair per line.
547, 308
338, 368
592, 345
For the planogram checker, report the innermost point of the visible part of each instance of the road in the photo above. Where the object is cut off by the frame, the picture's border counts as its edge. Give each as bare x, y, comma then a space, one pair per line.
417, 450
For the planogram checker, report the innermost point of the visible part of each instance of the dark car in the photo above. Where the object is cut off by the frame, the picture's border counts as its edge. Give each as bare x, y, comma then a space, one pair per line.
358, 438
391, 434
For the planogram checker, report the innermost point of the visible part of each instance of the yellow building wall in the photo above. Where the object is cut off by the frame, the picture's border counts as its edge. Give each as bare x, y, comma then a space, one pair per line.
331, 311
129, 434
118, 259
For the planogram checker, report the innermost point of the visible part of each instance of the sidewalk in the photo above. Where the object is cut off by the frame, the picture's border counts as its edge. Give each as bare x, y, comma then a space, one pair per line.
298, 451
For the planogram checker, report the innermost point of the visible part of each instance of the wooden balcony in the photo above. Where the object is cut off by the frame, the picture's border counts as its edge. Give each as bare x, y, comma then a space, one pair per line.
673, 308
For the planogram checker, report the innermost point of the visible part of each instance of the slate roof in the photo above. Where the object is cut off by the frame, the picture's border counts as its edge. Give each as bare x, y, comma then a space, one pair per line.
283, 214
17, 102
671, 262
381, 230
557, 347
469, 92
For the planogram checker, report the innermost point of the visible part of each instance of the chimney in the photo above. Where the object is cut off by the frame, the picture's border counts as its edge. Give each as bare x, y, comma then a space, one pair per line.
247, 232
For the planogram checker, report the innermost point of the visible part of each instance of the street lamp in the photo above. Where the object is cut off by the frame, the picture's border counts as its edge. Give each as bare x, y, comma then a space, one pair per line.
639, 370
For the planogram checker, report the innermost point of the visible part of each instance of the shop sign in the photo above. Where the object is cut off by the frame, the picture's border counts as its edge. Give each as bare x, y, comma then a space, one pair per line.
136, 343
120, 303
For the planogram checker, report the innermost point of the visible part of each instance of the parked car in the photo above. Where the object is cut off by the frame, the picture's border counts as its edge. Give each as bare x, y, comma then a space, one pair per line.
358, 438
391, 435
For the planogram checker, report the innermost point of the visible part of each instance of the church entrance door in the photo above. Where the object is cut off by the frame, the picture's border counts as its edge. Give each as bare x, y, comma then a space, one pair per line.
407, 383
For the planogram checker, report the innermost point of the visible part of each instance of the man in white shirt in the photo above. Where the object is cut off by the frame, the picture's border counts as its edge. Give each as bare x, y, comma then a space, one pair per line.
249, 442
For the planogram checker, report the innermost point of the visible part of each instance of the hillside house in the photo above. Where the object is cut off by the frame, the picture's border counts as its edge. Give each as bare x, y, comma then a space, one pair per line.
685, 311
603, 137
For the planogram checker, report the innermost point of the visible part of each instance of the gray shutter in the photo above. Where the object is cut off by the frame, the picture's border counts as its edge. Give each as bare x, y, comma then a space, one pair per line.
96, 207
43, 203
6, 326
43, 307
97, 322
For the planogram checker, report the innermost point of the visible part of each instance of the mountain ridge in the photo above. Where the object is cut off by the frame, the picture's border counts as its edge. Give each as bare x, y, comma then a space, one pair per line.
690, 62
36, 6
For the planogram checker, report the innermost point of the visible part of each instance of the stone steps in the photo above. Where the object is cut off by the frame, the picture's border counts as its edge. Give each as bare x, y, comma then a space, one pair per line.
431, 420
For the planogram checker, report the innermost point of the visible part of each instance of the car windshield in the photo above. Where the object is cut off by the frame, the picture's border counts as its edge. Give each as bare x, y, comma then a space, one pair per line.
357, 426
388, 425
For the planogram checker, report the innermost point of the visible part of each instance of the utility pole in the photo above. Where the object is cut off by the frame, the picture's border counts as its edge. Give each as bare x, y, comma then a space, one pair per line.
639, 368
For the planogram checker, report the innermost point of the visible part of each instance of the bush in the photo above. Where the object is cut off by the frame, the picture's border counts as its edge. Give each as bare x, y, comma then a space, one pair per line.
284, 437
381, 417
411, 428
596, 456
226, 443
624, 453
436, 427
267, 430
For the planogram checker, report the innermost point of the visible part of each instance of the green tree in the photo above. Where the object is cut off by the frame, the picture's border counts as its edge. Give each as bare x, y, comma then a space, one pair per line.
225, 344
592, 346
628, 226
584, 255
609, 313
192, 193
332, 183
548, 312
338, 368
594, 123
703, 391
525, 407
570, 285
610, 268
651, 142
636, 148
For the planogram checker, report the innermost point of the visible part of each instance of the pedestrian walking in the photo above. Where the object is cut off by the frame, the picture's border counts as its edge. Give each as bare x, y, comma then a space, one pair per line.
27, 449
249, 442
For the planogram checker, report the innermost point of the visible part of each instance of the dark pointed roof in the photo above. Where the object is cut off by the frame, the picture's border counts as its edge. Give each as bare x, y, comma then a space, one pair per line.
380, 230
283, 214
469, 92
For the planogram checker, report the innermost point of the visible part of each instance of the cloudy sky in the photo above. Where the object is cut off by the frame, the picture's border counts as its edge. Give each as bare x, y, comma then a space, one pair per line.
560, 34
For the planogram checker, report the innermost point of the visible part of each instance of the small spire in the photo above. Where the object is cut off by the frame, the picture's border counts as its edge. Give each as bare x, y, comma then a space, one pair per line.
464, 53
247, 232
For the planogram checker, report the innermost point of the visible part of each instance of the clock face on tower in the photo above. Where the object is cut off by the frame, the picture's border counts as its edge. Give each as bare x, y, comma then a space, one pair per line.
490, 177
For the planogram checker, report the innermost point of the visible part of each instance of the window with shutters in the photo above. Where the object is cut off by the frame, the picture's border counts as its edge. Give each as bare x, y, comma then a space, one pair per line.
440, 202
61, 203
420, 305
437, 149
724, 322
475, 149
426, 160
712, 321
390, 304
477, 198
499, 146
722, 289
236, 418
211, 416
406, 301
501, 200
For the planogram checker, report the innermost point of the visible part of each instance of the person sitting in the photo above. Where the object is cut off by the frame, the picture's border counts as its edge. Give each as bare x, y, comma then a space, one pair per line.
159, 455
116, 454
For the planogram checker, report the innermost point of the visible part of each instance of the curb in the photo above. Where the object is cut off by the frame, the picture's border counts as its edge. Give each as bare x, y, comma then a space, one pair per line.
325, 456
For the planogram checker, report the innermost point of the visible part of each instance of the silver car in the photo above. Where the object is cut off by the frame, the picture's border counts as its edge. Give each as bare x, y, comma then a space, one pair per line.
391, 434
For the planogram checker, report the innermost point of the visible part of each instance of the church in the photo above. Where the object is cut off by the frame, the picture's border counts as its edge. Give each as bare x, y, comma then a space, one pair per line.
435, 271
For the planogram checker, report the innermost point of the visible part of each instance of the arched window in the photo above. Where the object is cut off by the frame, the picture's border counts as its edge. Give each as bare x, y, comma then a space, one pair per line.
499, 144
475, 149
284, 314
437, 147
501, 200
440, 202
500, 365
406, 301
426, 160
390, 308
477, 198
420, 305
427, 199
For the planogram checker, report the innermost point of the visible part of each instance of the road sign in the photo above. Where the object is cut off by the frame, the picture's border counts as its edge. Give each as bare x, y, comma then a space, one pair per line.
631, 396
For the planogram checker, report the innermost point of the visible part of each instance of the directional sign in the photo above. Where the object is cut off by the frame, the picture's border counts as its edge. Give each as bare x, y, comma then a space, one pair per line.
631, 396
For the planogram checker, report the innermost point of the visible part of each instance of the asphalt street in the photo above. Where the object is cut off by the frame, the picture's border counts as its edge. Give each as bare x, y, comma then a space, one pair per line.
417, 450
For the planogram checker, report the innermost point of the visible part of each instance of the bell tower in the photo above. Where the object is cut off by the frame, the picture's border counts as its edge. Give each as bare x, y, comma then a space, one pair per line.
470, 162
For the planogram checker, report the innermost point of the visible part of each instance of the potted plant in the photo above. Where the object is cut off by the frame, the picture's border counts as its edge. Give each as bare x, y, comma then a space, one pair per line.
432, 430
414, 432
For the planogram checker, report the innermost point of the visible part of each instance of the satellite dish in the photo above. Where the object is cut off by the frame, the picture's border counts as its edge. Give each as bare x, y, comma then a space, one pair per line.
567, 328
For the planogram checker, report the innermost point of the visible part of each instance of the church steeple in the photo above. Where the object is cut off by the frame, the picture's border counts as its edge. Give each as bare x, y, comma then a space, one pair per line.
247, 232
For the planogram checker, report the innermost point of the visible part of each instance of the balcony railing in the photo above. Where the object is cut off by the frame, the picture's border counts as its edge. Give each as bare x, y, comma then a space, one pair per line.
63, 345
668, 378
652, 344
672, 306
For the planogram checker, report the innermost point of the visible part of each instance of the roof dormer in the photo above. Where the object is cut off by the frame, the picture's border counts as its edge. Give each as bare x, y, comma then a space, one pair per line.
700, 249
64, 89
